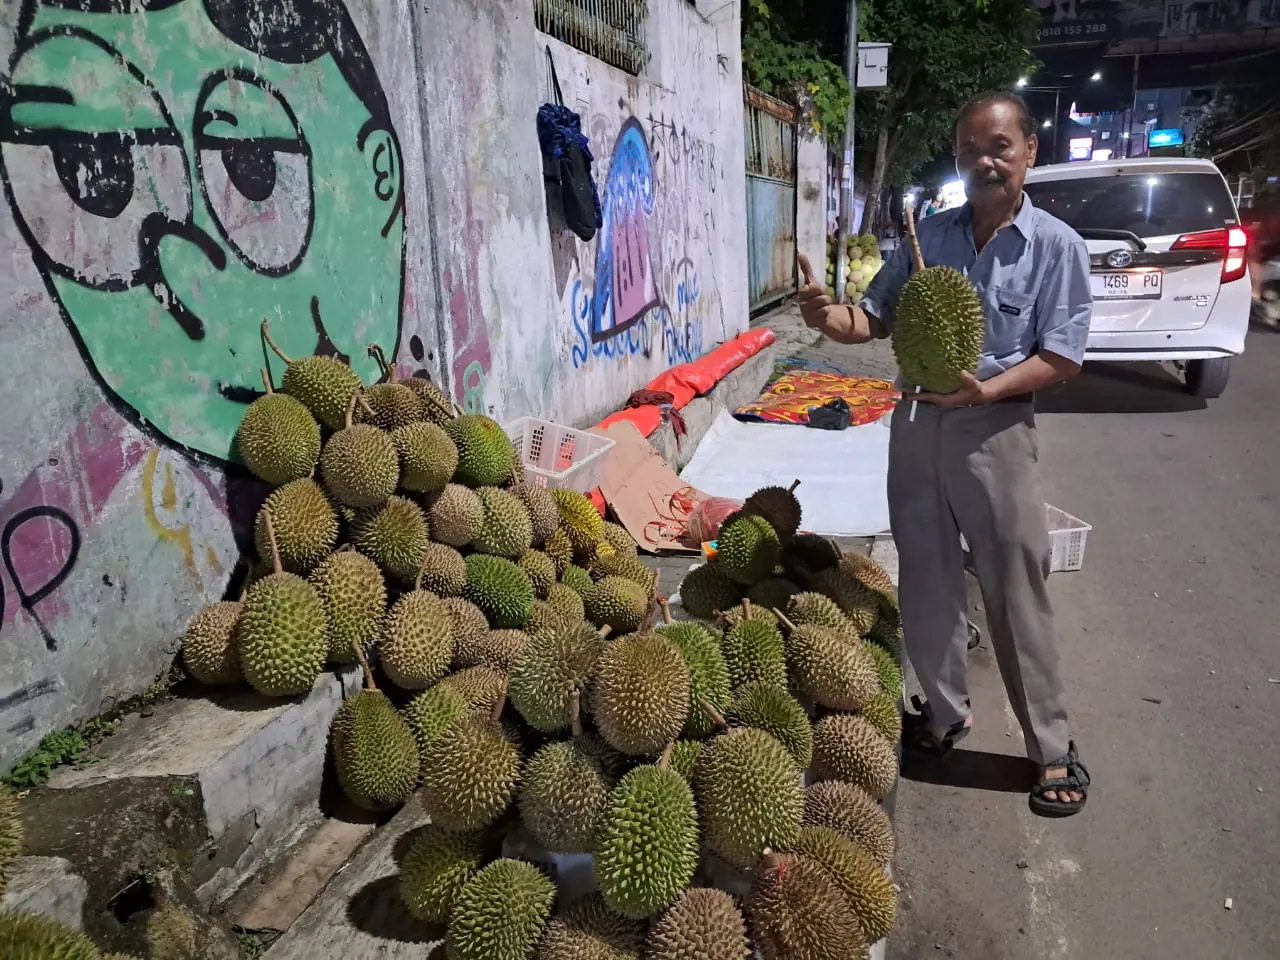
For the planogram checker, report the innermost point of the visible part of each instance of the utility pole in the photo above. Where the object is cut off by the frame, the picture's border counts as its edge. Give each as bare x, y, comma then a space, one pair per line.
847, 180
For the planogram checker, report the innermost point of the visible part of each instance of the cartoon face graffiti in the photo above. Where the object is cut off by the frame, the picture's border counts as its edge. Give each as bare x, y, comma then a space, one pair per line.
184, 168
625, 290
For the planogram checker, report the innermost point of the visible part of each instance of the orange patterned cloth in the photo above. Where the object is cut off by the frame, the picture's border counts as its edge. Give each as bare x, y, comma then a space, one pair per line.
789, 398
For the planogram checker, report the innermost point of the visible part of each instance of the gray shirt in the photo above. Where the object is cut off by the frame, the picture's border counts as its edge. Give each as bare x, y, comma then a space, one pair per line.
1032, 276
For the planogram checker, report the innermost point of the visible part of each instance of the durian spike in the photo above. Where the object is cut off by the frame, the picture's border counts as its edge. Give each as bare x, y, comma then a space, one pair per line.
575, 713
664, 761
272, 344
271, 538
266, 381
916, 253
782, 619
375, 351
665, 604
710, 710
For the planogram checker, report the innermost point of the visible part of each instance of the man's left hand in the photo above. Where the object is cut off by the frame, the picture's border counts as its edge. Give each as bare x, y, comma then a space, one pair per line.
972, 393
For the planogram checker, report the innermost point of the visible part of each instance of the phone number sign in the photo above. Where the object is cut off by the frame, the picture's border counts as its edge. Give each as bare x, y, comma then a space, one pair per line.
1051, 33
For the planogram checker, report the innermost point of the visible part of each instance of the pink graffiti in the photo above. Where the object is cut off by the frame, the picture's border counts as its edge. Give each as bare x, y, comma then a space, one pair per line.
633, 291
472, 357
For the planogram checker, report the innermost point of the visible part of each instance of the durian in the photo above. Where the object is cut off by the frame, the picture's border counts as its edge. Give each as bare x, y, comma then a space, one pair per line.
469, 621
283, 636
324, 385
32, 936
395, 537
470, 774
647, 849
564, 789
359, 465
544, 516
704, 924
577, 579
485, 452
640, 694
779, 506
684, 757
616, 602
807, 554
11, 832
851, 811
835, 670
455, 515
818, 609
706, 591
798, 912
305, 523
889, 672
847, 747
774, 592
443, 570
209, 649
616, 564
506, 530
747, 548
754, 650
856, 602
431, 711
375, 752
494, 648
436, 405
355, 602
391, 405
617, 537
567, 602
551, 673
543, 617
580, 520
278, 438
750, 796
938, 325
771, 708
436, 867
709, 675
417, 644
882, 712
860, 878
501, 589
587, 929
500, 913
541, 570
481, 687
560, 549
428, 457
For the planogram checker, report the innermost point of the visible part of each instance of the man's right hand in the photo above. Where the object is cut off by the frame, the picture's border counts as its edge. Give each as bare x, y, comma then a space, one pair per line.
837, 321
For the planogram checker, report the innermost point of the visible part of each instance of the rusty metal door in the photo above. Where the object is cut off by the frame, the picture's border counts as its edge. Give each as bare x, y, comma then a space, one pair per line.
771, 197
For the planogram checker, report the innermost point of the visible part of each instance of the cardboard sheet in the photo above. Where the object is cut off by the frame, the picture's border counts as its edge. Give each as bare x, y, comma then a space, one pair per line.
650, 500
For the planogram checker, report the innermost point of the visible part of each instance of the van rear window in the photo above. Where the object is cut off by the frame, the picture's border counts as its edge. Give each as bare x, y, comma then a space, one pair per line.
1148, 204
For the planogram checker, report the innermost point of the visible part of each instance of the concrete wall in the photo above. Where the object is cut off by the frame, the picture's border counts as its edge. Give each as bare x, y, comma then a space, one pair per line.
811, 202
379, 181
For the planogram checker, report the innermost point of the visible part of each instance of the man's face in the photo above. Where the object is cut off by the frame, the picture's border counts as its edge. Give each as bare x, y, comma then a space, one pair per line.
176, 189
993, 154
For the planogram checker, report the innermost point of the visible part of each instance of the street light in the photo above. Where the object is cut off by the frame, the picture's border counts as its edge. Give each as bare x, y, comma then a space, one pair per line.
1096, 76
1047, 124
1022, 82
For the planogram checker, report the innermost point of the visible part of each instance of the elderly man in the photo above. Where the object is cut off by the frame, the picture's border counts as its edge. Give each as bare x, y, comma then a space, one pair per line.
966, 462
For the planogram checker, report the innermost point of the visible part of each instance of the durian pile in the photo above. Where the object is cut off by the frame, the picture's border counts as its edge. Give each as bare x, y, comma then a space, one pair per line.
938, 324
864, 261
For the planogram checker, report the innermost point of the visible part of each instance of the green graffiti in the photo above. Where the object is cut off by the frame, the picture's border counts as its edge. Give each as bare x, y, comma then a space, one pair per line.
473, 388
182, 173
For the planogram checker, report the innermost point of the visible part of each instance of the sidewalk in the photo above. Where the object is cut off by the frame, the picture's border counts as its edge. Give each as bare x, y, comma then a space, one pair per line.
873, 359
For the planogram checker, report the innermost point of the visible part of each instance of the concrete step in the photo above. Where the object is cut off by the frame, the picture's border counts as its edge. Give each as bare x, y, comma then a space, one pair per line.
214, 786
48, 886
360, 914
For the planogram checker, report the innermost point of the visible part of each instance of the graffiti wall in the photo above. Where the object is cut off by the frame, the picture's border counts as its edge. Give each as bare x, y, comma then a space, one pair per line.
174, 173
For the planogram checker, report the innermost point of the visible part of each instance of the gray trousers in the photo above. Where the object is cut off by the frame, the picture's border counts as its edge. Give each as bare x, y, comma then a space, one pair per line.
973, 471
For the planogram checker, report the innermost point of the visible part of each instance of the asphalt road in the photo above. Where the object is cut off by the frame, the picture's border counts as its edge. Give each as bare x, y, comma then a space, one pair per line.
1170, 636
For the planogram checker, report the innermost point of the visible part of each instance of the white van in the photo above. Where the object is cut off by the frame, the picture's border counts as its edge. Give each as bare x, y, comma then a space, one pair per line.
1168, 259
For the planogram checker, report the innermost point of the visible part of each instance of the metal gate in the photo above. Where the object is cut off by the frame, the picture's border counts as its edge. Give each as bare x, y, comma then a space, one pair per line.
771, 197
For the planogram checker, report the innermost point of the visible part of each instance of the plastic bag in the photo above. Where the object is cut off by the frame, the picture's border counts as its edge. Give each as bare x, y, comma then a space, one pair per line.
705, 520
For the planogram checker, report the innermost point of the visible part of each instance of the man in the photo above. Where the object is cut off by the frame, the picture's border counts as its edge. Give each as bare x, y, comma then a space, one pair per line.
966, 462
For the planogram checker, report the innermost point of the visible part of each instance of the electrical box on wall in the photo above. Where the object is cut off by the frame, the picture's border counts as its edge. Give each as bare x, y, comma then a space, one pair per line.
873, 65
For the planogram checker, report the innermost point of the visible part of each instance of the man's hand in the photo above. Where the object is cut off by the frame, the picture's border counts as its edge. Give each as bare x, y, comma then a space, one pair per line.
972, 393
821, 313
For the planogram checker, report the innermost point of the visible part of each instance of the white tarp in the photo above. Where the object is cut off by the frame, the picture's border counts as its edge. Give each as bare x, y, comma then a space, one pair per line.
841, 472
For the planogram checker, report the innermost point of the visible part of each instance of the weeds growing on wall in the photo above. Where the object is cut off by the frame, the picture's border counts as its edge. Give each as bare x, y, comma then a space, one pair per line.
794, 71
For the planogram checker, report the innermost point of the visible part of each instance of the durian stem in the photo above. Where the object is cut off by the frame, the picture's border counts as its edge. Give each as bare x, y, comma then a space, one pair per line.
782, 619
364, 405
351, 409
746, 609
770, 860
498, 707
375, 351
794, 483
916, 253
666, 611
271, 536
604, 631
266, 381
664, 761
364, 665
272, 344
575, 713
710, 710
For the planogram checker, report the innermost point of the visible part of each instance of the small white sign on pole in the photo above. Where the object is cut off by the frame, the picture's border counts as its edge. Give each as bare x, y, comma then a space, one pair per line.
873, 65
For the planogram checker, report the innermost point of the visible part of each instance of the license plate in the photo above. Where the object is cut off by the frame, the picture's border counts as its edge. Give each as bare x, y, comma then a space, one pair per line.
1127, 285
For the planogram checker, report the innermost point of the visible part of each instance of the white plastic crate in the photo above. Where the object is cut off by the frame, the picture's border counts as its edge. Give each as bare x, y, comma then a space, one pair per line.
1067, 536
558, 456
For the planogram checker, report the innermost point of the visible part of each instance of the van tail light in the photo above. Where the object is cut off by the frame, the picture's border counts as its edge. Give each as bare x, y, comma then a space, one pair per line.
1232, 242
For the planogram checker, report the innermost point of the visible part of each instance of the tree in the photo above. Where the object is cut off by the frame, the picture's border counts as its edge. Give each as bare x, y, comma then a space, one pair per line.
1240, 128
944, 53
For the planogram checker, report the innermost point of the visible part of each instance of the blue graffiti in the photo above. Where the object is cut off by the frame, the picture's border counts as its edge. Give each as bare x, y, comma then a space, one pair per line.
680, 329
625, 289
637, 339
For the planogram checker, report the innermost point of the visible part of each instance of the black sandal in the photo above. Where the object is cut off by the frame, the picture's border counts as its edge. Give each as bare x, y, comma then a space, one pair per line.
918, 736
1076, 781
